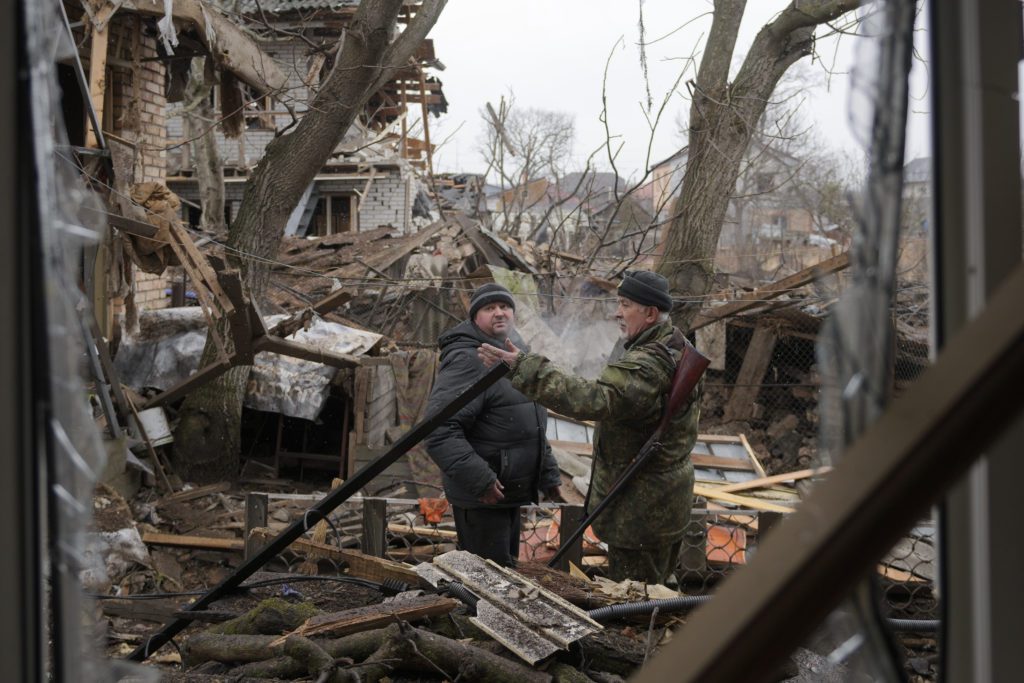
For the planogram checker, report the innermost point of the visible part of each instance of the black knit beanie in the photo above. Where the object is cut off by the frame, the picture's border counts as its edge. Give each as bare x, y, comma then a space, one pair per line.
646, 288
488, 294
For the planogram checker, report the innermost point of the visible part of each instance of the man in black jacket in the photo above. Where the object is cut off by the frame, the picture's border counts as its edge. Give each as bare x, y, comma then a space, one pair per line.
493, 454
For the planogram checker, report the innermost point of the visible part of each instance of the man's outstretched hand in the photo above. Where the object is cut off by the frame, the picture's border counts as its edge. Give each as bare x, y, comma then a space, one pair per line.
492, 355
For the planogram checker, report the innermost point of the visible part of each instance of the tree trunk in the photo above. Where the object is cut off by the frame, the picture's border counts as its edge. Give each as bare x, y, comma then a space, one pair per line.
398, 647
207, 443
723, 118
199, 118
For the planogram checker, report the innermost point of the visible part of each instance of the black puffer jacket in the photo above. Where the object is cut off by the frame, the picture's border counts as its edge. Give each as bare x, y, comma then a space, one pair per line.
500, 434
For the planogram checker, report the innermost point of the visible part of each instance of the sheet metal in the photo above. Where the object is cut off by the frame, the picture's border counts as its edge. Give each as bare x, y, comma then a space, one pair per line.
530, 621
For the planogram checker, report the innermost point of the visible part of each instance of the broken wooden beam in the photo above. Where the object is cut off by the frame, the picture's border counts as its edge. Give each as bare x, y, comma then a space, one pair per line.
763, 482
746, 502
748, 383
360, 619
198, 492
199, 542
718, 462
423, 531
758, 467
293, 349
761, 294
98, 74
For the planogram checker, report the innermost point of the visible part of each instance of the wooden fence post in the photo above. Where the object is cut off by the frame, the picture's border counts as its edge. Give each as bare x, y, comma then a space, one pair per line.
256, 505
375, 518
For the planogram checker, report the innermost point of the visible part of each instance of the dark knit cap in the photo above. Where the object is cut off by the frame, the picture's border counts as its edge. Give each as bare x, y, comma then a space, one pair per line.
488, 294
646, 288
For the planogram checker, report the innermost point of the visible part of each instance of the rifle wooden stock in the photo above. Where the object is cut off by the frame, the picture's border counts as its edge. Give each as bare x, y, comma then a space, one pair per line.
689, 370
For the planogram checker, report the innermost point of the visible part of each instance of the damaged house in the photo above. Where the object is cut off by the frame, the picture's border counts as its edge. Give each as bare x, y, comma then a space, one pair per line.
374, 178
342, 347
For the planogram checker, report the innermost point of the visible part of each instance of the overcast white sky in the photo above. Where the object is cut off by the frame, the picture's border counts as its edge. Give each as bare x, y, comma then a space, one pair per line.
551, 54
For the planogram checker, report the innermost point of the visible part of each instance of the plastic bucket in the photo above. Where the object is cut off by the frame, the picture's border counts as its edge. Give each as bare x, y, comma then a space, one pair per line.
154, 421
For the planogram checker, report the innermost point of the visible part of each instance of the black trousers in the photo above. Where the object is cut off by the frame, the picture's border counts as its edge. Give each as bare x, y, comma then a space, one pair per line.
491, 533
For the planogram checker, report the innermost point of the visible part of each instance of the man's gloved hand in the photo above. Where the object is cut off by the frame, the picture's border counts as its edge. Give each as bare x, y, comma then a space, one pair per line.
554, 494
493, 494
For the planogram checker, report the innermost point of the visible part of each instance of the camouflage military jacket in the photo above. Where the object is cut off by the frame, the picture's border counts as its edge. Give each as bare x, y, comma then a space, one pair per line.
627, 401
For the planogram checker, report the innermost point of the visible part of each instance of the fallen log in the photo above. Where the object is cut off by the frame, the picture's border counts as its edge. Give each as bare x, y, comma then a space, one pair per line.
381, 652
199, 542
319, 665
271, 617
405, 648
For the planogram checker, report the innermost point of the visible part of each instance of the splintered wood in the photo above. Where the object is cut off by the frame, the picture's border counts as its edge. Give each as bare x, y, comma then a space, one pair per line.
408, 608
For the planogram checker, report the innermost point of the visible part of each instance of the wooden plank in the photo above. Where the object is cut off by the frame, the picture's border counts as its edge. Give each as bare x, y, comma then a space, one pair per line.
130, 226
370, 617
743, 501
359, 404
774, 479
748, 382
718, 438
192, 494
753, 456
775, 289
332, 301
357, 563
716, 462
423, 531
201, 542
286, 347
209, 276
97, 80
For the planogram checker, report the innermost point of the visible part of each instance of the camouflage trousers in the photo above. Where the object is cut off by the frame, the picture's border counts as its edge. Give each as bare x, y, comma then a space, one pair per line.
650, 565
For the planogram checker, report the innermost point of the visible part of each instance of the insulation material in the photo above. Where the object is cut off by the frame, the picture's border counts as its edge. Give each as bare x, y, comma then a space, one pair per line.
279, 384
299, 388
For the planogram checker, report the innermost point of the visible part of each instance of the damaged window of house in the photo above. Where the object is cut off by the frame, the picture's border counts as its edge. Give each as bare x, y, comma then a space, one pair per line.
335, 213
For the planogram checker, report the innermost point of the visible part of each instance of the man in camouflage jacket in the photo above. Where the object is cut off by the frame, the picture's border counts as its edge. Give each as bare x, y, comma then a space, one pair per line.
644, 526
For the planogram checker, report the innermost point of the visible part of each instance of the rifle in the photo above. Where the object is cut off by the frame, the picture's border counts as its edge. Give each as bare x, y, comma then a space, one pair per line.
689, 370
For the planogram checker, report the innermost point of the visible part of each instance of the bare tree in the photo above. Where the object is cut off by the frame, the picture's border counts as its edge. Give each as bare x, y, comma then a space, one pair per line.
528, 151
208, 435
724, 116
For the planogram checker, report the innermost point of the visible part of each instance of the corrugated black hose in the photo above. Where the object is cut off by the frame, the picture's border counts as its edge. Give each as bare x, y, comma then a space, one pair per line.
645, 607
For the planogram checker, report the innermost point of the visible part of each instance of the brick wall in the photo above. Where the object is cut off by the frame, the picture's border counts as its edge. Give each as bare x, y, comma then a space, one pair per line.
291, 58
135, 79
